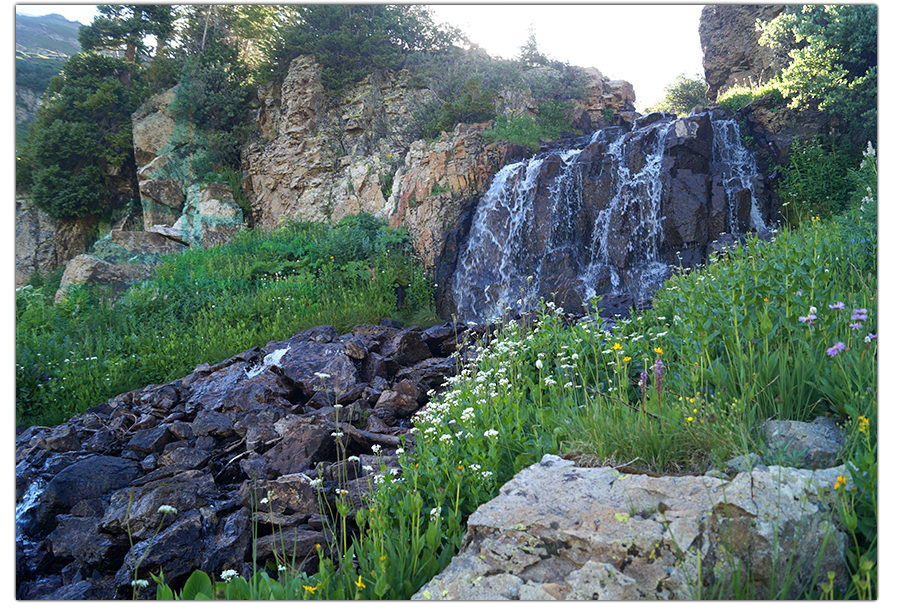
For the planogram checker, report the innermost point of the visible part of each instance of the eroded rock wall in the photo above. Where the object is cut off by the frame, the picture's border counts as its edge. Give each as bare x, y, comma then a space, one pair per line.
732, 54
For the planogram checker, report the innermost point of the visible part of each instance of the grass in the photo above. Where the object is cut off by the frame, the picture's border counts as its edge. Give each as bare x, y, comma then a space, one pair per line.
206, 305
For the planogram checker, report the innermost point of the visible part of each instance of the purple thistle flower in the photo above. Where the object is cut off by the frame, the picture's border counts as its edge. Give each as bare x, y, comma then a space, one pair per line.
644, 378
838, 347
837, 306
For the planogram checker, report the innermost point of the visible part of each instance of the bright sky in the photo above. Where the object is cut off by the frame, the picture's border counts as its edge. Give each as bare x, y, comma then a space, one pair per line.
647, 45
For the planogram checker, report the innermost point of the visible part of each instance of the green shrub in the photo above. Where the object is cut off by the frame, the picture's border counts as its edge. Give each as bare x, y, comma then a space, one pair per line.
815, 182
736, 97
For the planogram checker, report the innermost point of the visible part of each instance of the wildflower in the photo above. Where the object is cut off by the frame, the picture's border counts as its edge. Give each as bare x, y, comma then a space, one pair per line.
317, 483
282, 568
855, 326
140, 583
808, 319
398, 451
539, 364
436, 512
870, 337
860, 314
840, 482
863, 424
322, 376
658, 350
626, 359
264, 501
311, 589
491, 433
617, 346
353, 459
337, 434
376, 448
838, 347
837, 306
658, 371
360, 584
166, 509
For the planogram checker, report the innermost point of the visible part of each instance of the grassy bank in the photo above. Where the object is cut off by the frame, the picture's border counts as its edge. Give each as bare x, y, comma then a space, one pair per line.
206, 305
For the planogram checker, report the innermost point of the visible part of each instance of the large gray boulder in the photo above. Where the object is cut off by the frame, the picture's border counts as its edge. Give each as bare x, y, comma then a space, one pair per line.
560, 532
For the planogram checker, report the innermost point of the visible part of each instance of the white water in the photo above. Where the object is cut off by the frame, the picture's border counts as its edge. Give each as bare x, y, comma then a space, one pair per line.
496, 273
738, 168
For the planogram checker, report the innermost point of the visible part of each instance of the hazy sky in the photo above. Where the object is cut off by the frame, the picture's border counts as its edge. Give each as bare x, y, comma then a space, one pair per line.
647, 45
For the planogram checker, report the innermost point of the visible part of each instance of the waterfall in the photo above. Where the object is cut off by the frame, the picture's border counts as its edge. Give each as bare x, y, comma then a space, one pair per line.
637, 195
573, 224
736, 166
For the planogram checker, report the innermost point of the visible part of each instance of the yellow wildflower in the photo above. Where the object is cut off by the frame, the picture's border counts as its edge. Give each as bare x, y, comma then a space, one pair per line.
658, 350
360, 584
627, 358
617, 346
840, 483
311, 589
863, 424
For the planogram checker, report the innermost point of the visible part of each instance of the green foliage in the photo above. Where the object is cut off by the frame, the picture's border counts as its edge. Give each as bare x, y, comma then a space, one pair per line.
815, 182
682, 95
35, 72
833, 52
472, 104
206, 305
522, 130
125, 28
82, 130
738, 96
529, 55
350, 41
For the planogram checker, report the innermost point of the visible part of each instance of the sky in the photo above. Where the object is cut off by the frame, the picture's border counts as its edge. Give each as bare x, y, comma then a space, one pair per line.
646, 45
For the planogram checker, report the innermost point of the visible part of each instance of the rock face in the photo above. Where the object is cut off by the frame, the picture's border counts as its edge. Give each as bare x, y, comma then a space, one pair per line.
175, 201
43, 243
215, 445
559, 532
731, 51
606, 215
323, 159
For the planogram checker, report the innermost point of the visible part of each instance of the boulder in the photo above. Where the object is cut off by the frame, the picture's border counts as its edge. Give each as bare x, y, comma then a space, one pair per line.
559, 532
88, 268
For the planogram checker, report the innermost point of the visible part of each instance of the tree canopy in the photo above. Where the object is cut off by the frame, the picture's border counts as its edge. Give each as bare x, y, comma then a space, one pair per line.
682, 95
350, 41
833, 51
124, 28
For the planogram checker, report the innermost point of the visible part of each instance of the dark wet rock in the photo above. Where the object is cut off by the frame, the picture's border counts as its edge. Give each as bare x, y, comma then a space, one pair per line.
80, 539
136, 510
151, 440
91, 478
300, 449
62, 439
406, 347
430, 373
291, 494
299, 543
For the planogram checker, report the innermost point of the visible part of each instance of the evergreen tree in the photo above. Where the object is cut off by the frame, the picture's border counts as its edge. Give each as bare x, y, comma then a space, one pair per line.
81, 137
123, 28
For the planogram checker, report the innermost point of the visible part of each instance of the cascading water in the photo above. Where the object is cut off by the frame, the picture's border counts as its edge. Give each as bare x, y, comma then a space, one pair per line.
570, 225
636, 195
736, 166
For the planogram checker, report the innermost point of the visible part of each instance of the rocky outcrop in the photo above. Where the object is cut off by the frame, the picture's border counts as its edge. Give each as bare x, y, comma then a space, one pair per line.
43, 243
732, 54
323, 159
560, 532
264, 437
175, 201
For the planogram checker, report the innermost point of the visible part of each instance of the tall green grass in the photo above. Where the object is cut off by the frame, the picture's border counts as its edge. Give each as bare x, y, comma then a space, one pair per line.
206, 305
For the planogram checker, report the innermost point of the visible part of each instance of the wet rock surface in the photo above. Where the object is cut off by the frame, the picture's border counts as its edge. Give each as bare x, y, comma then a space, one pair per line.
259, 440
